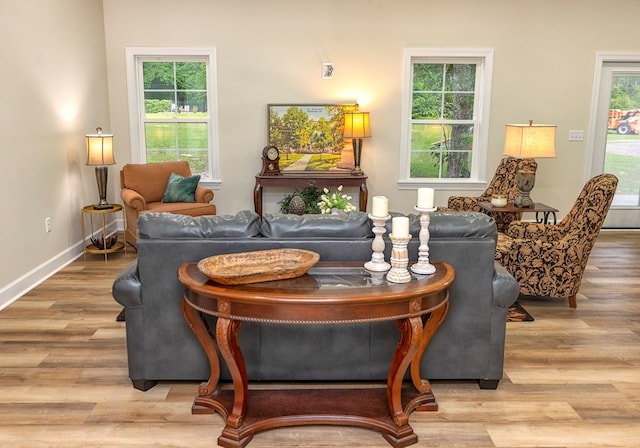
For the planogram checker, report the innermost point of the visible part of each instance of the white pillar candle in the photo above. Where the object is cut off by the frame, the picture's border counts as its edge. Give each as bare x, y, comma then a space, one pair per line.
425, 197
400, 226
380, 206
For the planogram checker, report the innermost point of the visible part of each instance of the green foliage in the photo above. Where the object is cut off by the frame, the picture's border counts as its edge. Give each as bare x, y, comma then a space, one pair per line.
183, 84
625, 92
441, 151
157, 106
442, 92
310, 196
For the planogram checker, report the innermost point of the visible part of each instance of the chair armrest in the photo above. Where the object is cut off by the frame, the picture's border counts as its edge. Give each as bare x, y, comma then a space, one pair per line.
126, 289
463, 204
133, 199
534, 231
204, 194
532, 254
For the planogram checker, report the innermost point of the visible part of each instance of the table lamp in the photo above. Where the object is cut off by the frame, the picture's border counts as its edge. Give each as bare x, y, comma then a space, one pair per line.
100, 154
356, 127
527, 142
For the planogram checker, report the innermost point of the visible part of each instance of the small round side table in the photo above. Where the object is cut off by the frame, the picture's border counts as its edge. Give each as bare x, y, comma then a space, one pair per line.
91, 248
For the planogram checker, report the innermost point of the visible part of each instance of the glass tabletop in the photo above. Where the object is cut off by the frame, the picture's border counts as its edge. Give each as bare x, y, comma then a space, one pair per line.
333, 277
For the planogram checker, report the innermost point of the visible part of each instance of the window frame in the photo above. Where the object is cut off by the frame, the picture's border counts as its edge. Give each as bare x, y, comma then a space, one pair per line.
135, 90
483, 58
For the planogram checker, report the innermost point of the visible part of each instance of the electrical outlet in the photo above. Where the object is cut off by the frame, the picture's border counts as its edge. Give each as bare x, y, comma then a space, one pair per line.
576, 135
47, 224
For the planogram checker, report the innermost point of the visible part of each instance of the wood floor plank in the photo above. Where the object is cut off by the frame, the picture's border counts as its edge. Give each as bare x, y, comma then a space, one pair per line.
565, 434
572, 376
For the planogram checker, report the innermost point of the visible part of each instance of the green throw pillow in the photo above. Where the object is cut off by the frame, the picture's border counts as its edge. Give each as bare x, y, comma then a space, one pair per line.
181, 189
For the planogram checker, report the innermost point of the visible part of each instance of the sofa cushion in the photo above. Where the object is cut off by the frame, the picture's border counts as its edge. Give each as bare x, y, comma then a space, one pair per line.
343, 225
181, 189
170, 226
448, 224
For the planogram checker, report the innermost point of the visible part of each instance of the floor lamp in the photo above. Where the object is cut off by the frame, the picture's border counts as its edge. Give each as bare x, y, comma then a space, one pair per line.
100, 154
528, 142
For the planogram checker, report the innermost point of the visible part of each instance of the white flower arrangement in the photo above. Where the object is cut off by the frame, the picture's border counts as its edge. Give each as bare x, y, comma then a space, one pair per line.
336, 200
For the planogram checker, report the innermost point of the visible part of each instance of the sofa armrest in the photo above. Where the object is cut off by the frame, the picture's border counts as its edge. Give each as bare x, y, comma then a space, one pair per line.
133, 199
126, 289
204, 194
505, 287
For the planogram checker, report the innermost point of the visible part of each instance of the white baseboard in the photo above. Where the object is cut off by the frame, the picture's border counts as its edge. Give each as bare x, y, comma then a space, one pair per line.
39, 274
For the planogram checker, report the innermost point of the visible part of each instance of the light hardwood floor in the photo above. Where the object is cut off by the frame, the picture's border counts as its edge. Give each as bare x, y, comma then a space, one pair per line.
572, 377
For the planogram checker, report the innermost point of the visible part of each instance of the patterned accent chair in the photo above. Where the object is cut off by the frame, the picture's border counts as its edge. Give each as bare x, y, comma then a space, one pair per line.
503, 182
549, 260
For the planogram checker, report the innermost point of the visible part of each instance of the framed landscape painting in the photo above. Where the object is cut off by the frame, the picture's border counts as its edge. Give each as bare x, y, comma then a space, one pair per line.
309, 136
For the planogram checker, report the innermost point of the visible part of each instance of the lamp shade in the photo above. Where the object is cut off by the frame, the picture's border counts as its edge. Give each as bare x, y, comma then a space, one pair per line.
530, 141
99, 148
356, 125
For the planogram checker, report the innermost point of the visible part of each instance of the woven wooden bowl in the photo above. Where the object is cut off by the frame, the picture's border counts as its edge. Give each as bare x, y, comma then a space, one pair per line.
258, 266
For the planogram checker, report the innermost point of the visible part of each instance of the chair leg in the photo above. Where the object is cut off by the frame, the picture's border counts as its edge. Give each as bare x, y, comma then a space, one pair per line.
572, 301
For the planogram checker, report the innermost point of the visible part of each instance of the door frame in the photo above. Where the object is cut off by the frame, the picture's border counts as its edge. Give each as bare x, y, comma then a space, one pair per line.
595, 134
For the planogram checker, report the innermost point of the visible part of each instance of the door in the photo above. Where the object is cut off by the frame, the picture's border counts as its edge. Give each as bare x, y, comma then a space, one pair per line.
616, 142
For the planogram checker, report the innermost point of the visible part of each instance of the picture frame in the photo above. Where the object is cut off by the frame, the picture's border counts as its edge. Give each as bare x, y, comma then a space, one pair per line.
309, 136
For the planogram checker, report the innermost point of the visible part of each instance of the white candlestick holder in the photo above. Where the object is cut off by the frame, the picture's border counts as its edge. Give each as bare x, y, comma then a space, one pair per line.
377, 263
399, 260
422, 266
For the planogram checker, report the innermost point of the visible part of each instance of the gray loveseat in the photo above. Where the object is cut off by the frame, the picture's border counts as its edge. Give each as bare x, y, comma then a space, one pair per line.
469, 345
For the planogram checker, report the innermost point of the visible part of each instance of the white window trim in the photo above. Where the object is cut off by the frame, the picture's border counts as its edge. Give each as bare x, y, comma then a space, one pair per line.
136, 103
479, 161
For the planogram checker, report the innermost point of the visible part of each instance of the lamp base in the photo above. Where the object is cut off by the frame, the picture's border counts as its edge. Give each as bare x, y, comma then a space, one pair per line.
102, 173
523, 201
100, 206
357, 152
525, 180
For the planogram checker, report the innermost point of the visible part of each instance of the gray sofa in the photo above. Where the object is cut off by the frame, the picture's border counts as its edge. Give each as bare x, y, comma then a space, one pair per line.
468, 346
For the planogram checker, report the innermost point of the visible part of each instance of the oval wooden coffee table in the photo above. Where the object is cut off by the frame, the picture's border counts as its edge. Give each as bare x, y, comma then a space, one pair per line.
357, 296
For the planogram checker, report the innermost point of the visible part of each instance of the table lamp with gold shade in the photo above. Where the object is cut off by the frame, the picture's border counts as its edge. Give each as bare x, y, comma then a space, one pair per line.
356, 127
100, 154
528, 142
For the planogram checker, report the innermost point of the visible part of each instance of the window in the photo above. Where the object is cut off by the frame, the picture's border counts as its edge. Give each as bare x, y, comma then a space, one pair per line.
445, 110
173, 104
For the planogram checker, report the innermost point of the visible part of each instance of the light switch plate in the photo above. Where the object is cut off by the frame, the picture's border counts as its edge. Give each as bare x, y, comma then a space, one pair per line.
576, 135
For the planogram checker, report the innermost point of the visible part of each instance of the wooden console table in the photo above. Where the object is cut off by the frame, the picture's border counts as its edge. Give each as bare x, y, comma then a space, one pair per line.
319, 179
542, 211
334, 293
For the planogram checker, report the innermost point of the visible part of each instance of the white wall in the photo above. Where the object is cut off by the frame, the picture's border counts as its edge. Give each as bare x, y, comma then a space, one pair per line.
271, 52
54, 83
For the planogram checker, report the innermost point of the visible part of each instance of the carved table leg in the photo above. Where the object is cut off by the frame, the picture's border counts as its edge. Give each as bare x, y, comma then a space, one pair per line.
432, 323
227, 338
199, 328
411, 334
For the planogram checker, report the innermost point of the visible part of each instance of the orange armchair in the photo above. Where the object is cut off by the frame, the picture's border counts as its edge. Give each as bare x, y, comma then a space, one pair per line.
549, 260
143, 187
503, 182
